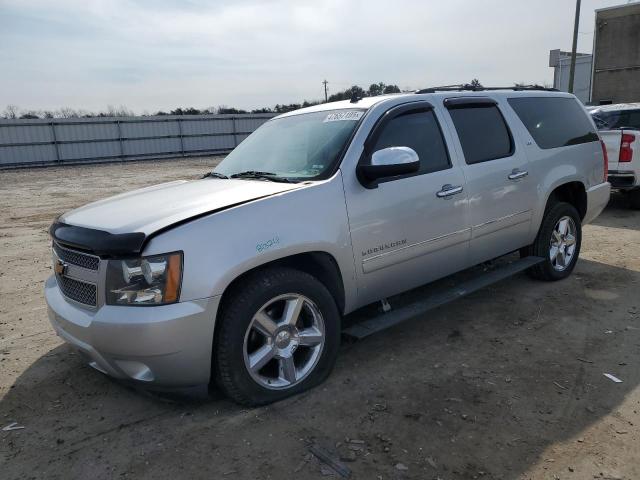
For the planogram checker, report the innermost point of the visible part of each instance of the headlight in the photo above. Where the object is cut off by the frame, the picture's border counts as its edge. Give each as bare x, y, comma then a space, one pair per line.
145, 281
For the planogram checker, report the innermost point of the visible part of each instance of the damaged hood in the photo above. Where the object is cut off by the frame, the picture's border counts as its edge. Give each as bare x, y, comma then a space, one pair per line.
150, 209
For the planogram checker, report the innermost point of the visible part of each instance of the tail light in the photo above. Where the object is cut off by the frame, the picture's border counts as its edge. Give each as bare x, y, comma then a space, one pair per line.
606, 160
626, 152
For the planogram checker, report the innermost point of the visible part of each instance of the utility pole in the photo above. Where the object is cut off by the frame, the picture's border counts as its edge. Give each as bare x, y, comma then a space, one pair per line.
324, 82
572, 69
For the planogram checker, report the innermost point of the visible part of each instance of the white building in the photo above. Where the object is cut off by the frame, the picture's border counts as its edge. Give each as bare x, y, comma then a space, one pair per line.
561, 63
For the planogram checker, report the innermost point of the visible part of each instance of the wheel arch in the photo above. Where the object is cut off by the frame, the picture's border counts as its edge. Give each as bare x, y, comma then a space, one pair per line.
573, 192
319, 264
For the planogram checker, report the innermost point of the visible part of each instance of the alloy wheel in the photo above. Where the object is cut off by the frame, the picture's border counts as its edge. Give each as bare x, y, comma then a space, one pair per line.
284, 341
562, 246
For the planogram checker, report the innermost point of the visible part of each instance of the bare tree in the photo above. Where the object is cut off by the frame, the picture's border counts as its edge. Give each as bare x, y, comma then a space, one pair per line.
66, 112
121, 111
11, 112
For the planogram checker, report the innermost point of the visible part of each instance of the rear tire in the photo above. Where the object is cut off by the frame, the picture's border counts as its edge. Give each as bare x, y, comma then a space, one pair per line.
278, 335
558, 242
634, 198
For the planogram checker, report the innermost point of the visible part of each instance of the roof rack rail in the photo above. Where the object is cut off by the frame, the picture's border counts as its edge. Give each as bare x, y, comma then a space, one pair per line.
467, 87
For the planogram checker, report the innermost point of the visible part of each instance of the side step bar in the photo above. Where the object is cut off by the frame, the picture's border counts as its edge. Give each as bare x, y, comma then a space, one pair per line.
391, 318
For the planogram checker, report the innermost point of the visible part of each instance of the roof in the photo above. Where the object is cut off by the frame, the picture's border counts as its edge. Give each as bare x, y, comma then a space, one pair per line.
367, 102
615, 7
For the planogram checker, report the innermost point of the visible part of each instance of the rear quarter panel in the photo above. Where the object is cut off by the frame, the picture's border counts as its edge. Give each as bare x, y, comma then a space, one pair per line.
553, 167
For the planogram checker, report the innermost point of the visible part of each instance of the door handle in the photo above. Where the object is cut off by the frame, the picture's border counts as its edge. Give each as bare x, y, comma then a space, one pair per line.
448, 190
517, 174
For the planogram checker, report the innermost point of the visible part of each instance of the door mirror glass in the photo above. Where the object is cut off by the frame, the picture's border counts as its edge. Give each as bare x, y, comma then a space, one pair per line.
389, 162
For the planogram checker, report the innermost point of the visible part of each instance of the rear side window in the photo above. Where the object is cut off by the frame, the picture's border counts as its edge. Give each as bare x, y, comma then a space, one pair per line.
483, 133
420, 131
554, 121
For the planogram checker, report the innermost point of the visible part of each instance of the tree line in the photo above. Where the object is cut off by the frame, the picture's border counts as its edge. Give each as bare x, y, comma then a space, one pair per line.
15, 112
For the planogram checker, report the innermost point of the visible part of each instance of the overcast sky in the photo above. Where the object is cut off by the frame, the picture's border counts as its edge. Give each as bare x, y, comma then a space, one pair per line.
151, 55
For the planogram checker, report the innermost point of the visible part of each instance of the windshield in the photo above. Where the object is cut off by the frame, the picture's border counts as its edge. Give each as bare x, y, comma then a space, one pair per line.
304, 146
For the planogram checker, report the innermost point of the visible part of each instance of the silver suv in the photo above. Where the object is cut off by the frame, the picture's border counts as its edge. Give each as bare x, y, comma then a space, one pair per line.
242, 278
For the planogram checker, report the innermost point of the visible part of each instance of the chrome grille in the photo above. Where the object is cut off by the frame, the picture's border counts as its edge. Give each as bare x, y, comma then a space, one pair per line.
74, 257
81, 292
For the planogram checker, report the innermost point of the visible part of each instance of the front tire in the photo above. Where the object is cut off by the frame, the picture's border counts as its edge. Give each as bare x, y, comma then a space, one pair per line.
558, 242
278, 335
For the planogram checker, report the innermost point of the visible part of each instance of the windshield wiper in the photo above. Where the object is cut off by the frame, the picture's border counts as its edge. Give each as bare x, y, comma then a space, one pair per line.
262, 175
214, 175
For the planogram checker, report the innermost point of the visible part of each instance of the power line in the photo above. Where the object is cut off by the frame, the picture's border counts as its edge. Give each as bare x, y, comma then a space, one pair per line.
324, 82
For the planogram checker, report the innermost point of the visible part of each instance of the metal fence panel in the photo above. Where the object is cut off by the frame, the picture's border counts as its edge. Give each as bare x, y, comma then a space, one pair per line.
218, 143
247, 124
78, 132
56, 141
149, 129
89, 151
152, 146
17, 134
204, 127
27, 154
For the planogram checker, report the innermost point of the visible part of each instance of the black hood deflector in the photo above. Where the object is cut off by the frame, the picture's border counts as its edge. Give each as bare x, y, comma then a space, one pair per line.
97, 242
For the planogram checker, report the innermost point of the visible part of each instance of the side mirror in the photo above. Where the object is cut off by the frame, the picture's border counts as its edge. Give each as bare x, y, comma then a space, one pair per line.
388, 162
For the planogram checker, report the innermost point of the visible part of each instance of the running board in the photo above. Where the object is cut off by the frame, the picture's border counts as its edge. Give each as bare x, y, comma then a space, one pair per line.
398, 315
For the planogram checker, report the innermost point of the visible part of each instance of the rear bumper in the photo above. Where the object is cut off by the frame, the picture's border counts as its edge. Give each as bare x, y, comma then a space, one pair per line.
597, 199
165, 346
622, 179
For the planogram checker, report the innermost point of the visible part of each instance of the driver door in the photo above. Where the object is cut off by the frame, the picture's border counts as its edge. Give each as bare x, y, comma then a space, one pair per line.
408, 230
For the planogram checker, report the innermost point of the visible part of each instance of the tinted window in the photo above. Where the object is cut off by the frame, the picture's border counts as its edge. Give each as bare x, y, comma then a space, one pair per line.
420, 131
483, 133
554, 122
616, 119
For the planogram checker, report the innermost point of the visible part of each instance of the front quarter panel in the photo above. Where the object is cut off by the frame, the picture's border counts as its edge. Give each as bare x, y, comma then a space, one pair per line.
220, 247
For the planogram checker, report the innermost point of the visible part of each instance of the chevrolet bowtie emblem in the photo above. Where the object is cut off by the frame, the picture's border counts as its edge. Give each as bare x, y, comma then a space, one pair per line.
59, 267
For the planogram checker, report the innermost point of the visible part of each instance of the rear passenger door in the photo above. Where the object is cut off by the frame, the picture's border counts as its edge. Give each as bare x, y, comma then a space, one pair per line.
501, 193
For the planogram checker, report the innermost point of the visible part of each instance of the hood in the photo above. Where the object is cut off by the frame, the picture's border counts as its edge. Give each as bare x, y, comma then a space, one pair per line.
145, 211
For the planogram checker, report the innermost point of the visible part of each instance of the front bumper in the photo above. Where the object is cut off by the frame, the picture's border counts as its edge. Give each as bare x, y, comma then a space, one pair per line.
165, 346
597, 199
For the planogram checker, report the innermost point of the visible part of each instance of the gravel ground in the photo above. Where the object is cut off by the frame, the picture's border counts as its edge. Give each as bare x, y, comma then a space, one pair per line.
504, 384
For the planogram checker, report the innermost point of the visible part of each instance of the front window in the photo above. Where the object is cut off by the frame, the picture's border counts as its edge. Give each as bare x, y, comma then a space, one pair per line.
298, 147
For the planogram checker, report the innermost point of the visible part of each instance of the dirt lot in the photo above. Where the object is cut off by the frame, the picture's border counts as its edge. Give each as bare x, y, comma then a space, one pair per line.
504, 384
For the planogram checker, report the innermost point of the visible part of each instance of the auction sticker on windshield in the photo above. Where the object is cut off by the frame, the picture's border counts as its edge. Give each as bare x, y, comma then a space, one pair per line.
341, 116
